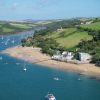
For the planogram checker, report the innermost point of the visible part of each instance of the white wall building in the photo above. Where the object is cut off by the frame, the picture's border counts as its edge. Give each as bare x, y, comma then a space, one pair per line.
84, 57
65, 56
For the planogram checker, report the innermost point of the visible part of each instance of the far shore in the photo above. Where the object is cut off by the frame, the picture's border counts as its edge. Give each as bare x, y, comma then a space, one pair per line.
34, 55
13, 33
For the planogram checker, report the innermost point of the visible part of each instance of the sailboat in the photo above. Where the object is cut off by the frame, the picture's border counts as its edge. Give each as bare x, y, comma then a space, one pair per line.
56, 78
2, 38
13, 41
24, 67
6, 43
1, 58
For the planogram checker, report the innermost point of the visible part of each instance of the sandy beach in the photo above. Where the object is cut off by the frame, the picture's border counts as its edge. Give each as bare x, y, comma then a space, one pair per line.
34, 55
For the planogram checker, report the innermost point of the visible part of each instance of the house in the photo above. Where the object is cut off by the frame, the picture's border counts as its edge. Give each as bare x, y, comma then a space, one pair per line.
84, 57
69, 56
82, 23
65, 56
64, 53
60, 30
89, 22
56, 57
86, 22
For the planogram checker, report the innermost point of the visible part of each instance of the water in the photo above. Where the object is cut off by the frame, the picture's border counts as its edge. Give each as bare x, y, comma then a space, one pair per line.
37, 81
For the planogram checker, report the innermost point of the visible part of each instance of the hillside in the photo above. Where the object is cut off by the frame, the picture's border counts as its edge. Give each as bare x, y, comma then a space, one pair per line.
8, 27
94, 26
84, 38
12, 27
69, 37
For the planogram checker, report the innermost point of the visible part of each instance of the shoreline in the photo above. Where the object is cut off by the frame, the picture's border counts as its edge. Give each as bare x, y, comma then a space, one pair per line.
34, 55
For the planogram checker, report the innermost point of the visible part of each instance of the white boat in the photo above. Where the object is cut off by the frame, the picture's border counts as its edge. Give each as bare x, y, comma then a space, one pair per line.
8, 39
17, 63
79, 79
56, 78
2, 38
24, 69
13, 41
6, 43
1, 58
50, 97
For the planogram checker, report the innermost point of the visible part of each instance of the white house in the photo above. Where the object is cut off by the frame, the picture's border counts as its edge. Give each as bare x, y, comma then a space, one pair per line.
56, 57
60, 30
65, 56
89, 22
84, 57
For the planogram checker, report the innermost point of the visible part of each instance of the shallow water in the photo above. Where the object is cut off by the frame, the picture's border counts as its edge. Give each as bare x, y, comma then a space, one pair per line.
37, 81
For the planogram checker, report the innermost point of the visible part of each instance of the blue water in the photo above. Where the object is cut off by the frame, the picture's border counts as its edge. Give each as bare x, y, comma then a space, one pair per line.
37, 81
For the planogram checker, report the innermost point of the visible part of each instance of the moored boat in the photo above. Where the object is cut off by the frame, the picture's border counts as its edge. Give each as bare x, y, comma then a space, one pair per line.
50, 97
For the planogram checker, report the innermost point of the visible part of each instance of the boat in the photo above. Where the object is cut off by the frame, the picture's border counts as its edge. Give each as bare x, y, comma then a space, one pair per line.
2, 38
24, 69
13, 41
50, 97
56, 78
79, 79
1, 58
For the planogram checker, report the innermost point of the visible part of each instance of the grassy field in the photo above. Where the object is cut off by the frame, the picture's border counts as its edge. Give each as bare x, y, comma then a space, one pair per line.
11, 27
7, 30
95, 26
70, 37
24, 26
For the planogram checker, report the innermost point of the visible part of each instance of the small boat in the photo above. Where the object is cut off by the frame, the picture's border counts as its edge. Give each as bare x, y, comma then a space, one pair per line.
1, 58
79, 79
17, 63
13, 41
24, 69
56, 78
50, 97
6, 43
8, 39
2, 38
6, 63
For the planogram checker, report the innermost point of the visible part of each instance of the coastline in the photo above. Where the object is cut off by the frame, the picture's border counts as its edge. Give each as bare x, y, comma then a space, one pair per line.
34, 55
13, 33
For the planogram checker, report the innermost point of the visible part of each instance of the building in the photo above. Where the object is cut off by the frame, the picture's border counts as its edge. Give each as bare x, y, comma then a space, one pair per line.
60, 30
89, 22
56, 57
65, 56
84, 57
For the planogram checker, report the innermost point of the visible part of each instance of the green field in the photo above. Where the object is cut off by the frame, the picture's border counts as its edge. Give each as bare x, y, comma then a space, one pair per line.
94, 26
24, 26
7, 30
11, 27
70, 37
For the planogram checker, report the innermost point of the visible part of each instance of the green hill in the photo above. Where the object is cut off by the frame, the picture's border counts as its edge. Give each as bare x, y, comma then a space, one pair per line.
94, 26
69, 37
12, 27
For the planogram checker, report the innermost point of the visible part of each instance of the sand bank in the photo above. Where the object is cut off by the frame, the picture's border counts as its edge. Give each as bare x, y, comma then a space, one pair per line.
34, 55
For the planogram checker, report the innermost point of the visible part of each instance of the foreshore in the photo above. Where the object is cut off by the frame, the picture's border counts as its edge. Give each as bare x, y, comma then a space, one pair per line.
34, 55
